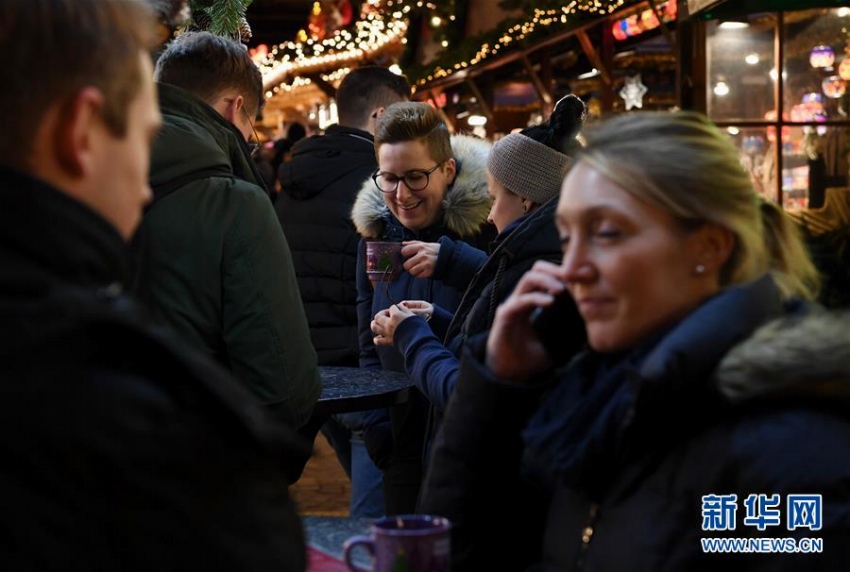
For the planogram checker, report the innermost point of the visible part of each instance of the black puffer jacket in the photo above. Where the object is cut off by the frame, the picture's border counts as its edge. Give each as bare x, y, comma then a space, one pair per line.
319, 186
122, 449
609, 468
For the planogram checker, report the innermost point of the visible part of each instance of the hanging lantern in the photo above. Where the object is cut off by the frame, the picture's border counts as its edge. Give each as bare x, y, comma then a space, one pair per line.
822, 57
834, 86
844, 69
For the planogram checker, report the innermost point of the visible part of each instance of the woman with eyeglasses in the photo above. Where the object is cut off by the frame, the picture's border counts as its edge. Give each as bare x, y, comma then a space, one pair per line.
428, 185
524, 171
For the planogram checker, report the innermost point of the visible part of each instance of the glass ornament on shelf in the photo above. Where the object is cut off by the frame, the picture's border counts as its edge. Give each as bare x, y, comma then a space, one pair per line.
813, 97
833, 86
822, 56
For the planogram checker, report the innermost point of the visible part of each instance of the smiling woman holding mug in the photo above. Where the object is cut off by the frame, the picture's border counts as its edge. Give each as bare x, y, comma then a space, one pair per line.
707, 377
428, 185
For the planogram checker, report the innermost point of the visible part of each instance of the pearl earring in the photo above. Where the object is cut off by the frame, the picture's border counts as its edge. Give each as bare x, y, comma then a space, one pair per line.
700, 269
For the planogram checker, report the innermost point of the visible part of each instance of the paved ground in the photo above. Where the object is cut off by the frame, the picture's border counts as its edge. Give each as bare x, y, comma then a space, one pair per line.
323, 489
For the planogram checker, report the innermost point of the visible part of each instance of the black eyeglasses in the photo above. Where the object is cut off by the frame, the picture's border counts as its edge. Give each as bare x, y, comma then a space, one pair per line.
415, 180
254, 145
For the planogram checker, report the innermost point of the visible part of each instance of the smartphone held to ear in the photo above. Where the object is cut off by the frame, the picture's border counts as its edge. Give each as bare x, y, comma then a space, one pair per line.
560, 328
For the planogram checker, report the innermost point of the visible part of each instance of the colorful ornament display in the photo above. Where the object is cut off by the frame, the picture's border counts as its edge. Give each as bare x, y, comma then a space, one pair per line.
811, 109
834, 86
822, 57
643, 21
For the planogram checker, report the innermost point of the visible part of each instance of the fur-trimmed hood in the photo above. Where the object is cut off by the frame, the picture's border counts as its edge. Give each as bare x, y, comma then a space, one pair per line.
465, 206
800, 356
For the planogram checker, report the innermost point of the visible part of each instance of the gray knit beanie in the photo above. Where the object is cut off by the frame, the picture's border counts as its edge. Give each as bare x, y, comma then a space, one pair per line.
527, 167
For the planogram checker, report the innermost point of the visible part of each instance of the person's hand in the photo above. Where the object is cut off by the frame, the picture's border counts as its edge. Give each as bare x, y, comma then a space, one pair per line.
420, 308
420, 257
514, 351
386, 321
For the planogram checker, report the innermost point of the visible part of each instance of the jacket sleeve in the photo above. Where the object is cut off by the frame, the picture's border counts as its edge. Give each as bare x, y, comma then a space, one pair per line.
265, 329
432, 367
440, 321
474, 474
457, 262
369, 358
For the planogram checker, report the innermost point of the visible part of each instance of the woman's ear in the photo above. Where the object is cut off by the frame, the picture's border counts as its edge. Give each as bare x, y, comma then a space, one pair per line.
450, 168
712, 246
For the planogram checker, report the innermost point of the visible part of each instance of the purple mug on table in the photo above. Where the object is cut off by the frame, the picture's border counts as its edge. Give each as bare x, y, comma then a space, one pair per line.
409, 543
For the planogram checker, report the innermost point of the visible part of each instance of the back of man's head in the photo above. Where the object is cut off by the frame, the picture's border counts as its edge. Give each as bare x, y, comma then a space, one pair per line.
53, 50
207, 65
367, 89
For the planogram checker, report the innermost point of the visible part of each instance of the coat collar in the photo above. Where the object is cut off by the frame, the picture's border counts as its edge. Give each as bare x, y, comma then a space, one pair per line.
47, 237
195, 137
465, 207
610, 407
803, 355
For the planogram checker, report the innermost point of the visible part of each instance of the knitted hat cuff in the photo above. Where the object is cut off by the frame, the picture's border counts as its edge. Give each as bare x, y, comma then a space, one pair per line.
527, 167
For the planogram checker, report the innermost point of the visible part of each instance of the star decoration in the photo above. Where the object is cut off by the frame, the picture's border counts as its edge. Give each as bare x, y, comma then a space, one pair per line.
633, 92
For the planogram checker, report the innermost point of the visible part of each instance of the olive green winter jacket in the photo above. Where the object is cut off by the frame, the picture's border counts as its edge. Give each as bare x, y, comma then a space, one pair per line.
219, 269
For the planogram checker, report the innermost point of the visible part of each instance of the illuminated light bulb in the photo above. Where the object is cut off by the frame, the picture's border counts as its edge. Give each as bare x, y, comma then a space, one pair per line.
752, 59
721, 89
733, 25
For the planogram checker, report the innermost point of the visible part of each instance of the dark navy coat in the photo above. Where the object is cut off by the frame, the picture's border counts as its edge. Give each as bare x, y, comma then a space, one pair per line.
604, 465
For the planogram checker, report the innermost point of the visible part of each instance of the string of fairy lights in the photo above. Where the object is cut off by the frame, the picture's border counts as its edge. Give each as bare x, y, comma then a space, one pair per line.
539, 20
376, 29
384, 22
